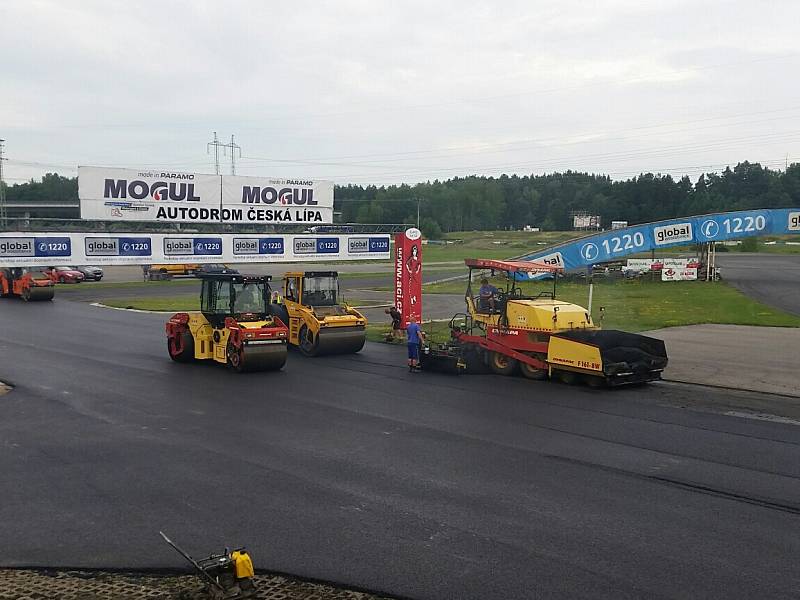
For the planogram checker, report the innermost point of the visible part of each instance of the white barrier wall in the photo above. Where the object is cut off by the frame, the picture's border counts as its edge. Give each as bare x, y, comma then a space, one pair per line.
55, 249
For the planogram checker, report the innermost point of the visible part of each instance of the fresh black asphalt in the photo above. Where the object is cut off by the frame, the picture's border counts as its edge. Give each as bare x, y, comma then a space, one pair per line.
773, 279
351, 469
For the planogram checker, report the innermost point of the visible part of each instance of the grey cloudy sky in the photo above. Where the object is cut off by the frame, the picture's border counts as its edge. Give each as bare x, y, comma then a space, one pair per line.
365, 91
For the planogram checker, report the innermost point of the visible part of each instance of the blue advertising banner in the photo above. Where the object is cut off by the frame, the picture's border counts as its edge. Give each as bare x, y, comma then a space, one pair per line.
31, 249
618, 243
53, 246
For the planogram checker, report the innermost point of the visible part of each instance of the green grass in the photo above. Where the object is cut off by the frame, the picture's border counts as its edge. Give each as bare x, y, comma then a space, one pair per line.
435, 331
184, 303
493, 244
122, 285
163, 303
639, 306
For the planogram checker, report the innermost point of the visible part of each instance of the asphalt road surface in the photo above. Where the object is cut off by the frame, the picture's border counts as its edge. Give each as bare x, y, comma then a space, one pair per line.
352, 470
773, 279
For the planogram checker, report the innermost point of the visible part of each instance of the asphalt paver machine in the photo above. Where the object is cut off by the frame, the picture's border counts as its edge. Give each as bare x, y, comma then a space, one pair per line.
543, 336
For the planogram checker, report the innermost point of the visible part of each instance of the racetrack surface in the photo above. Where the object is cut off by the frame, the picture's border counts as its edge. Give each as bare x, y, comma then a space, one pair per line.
773, 279
351, 469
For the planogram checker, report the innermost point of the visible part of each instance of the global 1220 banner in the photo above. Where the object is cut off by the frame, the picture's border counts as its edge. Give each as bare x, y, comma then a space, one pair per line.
717, 227
108, 194
23, 249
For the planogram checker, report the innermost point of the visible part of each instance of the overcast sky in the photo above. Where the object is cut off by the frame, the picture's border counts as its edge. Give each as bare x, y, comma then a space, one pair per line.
384, 92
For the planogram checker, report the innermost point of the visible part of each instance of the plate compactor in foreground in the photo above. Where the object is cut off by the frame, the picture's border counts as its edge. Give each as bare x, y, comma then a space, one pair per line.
318, 322
234, 326
28, 283
542, 336
226, 576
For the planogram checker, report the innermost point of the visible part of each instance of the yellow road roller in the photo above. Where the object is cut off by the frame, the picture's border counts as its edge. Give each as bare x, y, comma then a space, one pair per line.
234, 327
318, 322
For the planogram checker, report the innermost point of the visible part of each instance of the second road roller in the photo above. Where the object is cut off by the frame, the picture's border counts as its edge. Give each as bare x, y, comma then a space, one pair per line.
28, 283
234, 327
319, 323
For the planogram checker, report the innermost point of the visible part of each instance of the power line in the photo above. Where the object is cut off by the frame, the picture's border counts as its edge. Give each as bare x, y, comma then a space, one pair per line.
3, 211
233, 148
216, 145
488, 147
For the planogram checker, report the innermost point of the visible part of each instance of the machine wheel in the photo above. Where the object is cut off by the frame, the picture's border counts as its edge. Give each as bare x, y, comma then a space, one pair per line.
307, 344
234, 358
502, 364
532, 372
569, 377
595, 382
181, 348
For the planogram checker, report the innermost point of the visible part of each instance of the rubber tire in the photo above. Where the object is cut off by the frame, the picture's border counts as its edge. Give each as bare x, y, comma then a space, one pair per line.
530, 372
187, 355
235, 364
307, 349
569, 377
501, 364
595, 382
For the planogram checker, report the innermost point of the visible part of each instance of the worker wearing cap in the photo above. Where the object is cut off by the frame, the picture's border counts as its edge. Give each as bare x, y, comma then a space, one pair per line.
487, 295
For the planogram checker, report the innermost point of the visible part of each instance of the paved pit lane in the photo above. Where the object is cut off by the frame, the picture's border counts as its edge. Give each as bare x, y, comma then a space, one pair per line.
352, 470
773, 279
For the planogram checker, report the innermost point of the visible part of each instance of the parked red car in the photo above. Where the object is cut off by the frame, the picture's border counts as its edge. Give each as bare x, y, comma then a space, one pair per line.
65, 275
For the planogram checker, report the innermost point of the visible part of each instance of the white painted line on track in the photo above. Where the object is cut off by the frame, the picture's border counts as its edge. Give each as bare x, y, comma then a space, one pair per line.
762, 417
137, 310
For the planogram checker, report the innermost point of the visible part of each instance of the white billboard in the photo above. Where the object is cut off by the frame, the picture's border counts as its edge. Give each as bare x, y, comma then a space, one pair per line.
165, 196
586, 222
22, 249
657, 264
148, 195
269, 200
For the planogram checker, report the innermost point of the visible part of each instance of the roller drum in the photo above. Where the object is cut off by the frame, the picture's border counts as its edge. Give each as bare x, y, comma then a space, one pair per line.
263, 357
339, 340
38, 293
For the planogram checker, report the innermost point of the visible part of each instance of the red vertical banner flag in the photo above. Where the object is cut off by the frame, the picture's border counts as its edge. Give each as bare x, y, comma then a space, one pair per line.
408, 274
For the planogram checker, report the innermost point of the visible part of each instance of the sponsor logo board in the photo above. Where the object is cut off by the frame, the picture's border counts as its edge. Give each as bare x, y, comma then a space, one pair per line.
672, 234
677, 274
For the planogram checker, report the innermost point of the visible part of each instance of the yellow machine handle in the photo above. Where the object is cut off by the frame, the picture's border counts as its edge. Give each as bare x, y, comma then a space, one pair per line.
242, 564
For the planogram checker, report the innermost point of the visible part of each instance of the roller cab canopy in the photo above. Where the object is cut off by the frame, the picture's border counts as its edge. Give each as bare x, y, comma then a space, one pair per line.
511, 266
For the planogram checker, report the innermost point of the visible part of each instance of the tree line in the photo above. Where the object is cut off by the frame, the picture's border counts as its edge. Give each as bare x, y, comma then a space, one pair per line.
514, 201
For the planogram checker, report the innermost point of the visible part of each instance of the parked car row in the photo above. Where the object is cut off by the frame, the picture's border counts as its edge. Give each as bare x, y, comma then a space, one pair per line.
77, 274
73, 274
